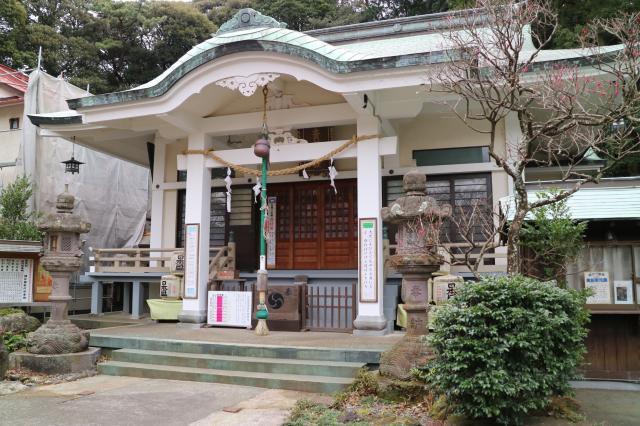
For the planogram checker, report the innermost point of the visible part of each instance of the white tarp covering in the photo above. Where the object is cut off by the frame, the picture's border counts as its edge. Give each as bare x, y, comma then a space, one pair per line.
110, 193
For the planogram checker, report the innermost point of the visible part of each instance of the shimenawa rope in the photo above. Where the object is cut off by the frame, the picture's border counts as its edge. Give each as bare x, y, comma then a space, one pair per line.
281, 172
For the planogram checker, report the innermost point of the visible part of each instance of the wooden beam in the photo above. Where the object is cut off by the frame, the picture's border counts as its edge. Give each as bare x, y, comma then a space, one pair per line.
314, 116
291, 153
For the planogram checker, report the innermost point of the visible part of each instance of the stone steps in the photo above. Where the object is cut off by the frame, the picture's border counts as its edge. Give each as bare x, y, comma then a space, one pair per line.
297, 382
239, 363
367, 356
308, 369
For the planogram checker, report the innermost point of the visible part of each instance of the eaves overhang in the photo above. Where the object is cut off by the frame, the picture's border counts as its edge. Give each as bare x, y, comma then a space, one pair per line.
324, 62
43, 119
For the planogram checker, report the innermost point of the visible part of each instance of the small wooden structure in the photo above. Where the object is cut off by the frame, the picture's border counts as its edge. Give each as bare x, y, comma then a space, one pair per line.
137, 268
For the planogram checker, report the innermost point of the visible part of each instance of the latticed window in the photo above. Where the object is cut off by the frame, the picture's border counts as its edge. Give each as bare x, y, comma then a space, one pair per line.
463, 192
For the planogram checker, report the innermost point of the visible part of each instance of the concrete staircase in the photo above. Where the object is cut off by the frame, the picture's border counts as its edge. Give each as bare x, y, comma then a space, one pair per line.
323, 370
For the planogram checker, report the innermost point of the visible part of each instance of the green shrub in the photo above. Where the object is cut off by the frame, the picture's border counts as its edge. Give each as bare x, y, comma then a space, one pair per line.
14, 342
10, 311
16, 223
505, 346
554, 239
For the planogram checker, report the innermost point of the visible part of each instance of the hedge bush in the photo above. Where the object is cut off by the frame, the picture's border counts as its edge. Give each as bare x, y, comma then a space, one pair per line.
505, 346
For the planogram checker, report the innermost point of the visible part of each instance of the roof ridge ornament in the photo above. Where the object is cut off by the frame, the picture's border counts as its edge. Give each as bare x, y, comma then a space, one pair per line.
249, 18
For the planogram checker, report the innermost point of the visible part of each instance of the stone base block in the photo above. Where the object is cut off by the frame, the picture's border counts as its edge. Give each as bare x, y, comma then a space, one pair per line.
192, 317
189, 325
404, 356
382, 332
56, 364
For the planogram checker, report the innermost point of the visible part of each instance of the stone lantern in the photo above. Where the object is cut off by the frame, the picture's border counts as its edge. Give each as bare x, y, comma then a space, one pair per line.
62, 257
419, 220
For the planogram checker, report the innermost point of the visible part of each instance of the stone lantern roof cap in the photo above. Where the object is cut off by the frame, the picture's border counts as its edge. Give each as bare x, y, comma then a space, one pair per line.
64, 220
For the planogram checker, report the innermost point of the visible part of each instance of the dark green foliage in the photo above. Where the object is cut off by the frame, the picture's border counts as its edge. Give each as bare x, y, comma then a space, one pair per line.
505, 346
386, 9
16, 223
9, 311
115, 45
553, 239
14, 342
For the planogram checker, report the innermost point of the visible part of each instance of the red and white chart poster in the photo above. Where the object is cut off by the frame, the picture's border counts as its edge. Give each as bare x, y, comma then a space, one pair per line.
229, 308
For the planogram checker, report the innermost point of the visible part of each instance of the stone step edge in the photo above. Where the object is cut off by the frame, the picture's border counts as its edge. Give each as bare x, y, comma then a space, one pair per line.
230, 373
290, 361
132, 342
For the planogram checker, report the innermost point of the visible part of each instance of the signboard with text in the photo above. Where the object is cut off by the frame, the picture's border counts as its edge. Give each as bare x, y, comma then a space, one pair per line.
16, 280
368, 259
229, 308
191, 256
599, 283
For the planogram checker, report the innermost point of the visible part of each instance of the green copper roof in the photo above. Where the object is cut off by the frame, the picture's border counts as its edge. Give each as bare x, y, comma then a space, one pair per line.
250, 31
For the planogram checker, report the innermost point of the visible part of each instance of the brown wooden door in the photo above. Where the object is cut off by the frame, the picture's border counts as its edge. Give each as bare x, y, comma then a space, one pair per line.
315, 227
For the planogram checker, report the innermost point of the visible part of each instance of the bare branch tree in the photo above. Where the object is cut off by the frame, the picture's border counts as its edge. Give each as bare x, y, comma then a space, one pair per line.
473, 230
566, 107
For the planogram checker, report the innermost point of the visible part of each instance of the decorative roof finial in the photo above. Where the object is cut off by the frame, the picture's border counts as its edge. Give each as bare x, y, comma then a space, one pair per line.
249, 18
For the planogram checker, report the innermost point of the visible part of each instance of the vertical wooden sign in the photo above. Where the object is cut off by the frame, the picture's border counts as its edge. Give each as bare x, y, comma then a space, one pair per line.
368, 259
191, 259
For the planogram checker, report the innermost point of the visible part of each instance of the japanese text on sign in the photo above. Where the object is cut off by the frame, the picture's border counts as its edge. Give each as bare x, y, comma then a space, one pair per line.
192, 241
16, 280
229, 308
368, 244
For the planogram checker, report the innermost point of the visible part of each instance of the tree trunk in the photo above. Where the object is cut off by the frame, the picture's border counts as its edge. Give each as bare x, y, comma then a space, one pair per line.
513, 242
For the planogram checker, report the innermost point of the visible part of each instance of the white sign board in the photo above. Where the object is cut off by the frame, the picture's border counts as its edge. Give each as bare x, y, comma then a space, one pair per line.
229, 308
191, 257
271, 232
623, 292
16, 280
368, 259
598, 282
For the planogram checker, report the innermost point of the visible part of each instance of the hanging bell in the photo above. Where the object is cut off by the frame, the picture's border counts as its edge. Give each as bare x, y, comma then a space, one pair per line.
262, 147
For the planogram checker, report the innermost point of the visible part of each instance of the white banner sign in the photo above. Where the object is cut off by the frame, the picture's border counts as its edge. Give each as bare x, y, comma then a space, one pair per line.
191, 256
368, 253
229, 308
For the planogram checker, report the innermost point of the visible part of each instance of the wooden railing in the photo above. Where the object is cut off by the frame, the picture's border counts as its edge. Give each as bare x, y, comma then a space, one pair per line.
141, 260
135, 260
491, 263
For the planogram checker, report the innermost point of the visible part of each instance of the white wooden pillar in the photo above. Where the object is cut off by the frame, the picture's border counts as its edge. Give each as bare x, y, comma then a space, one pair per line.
370, 319
157, 192
197, 211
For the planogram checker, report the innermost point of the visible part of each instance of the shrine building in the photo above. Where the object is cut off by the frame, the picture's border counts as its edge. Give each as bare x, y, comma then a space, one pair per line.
359, 91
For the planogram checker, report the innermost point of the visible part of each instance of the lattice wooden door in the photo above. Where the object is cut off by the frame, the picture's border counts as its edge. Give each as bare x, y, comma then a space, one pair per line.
316, 228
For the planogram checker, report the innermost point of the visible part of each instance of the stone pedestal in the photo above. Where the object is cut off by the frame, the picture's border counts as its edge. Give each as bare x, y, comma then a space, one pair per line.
419, 219
57, 337
412, 351
56, 364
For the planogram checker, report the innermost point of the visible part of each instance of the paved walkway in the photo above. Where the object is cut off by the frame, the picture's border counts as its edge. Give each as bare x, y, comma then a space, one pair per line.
124, 401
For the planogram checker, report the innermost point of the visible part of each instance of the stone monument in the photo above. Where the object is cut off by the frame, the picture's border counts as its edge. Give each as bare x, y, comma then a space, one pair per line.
59, 346
419, 220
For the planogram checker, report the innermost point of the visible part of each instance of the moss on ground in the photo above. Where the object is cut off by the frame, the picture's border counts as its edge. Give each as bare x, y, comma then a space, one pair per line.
373, 400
